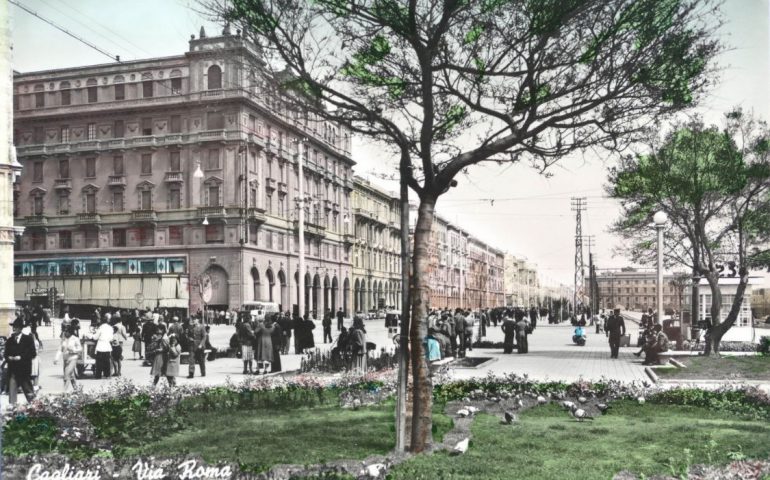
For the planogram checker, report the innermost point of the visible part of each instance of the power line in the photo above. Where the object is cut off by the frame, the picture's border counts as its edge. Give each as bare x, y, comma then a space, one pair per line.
49, 22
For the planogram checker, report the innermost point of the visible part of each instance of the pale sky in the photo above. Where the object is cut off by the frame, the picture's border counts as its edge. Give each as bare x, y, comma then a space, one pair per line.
531, 215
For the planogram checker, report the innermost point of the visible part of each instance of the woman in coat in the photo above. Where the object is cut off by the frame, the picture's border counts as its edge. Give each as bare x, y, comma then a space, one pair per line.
278, 345
357, 344
172, 366
245, 339
160, 347
264, 344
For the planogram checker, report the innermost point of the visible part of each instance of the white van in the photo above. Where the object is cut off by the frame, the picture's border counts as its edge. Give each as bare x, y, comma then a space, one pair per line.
259, 309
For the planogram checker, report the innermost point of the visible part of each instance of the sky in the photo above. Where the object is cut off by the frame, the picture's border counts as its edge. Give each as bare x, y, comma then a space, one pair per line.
531, 215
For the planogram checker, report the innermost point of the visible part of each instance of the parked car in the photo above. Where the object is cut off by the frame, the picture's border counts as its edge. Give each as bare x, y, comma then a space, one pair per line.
392, 319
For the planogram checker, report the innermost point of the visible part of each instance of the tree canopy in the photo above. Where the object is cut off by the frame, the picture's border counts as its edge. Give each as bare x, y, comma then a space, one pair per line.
447, 84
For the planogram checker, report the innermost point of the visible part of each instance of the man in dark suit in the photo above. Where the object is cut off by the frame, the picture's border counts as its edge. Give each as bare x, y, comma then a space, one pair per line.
19, 352
340, 319
615, 328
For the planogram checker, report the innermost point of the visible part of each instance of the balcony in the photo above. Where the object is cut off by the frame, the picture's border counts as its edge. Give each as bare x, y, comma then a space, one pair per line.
311, 229
336, 207
349, 239
36, 221
116, 181
62, 184
328, 204
270, 183
144, 216
283, 188
174, 177
256, 215
88, 219
212, 212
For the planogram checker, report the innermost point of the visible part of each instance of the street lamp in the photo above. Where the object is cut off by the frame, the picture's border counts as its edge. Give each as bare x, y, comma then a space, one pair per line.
660, 218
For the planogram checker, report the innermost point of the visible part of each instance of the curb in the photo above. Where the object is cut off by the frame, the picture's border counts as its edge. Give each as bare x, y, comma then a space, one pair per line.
650, 373
677, 362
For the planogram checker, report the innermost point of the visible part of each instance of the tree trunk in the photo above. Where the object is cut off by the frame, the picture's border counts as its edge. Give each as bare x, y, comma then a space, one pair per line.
422, 397
716, 306
719, 330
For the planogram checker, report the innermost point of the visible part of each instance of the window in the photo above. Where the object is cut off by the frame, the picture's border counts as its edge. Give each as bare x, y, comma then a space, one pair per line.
147, 126
253, 197
117, 201
269, 240
214, 77
175, 198
64, 203
119, 267
65, 239
147, 239
66, 98
64, 168
37, 172
92, 90
91, 131
252, 124
215, 121
176, 86
215, 234
175, 124
38, 241
91, 202
90, 167
39, 96
118, 237
175, 236
213, 160
146, 163
174, 161
279, 242
176, 266
147, 88
269, 202
146, 200
118, 129
120, 91
213, 196
117, 165
65, 134
66, 269
92, 241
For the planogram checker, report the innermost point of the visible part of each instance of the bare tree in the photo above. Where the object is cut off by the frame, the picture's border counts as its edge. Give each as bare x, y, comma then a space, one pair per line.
449, 84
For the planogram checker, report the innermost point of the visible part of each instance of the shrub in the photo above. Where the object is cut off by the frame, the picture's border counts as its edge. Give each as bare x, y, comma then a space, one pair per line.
332, 361
764, 346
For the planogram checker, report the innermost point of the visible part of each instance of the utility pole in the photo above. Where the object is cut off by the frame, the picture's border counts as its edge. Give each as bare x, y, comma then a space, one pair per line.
301, 233
578, 206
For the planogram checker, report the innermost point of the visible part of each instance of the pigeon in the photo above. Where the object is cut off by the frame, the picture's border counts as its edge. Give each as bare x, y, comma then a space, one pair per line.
463, 413
517, 404
356, 403
494, 399
603, 407
582, 399
567, 405
541, 400
640, 400
510, 417
374, 470
579, 414
461, 447
471, 409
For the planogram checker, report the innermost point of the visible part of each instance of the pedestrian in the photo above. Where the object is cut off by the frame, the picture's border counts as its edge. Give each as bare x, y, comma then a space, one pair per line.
19, 352
340, 319
160, 347
509, 329
103, 337
357, 343
137, 345
264, 351
327, 326
532, 318
615, 328
470, 325
196, 341
172, 364
309, 326
657, 344
459, 319
522, 331
69, 352
120, 336
286, 327
245, 339
277, 340
484, 323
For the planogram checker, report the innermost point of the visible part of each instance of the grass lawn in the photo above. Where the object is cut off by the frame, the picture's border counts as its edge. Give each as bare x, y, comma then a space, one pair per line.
263, 438
721, 368
548, 444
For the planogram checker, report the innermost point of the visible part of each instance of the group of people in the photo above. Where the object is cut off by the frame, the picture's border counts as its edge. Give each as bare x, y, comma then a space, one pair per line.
454, 330
517, 327
653, 340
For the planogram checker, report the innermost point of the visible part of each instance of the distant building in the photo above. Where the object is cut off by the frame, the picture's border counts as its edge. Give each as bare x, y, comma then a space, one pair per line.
637, 290
173, 182
522, 286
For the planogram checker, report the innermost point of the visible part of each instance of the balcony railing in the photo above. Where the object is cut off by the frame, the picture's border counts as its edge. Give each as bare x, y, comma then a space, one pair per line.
36, 221
212, 212
174, 177
88, 218
311, 228
62, 184
116, 181
256, 215
144, 216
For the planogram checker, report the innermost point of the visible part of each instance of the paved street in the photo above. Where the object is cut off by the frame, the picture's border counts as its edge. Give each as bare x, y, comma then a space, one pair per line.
552, 356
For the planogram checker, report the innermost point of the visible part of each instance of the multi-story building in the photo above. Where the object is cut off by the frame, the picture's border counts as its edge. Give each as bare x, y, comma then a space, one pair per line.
376, 253
484, 276
522, 286
174, 182
637, 290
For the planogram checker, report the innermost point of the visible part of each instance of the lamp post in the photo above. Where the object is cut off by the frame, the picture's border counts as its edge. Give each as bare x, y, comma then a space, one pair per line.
301, 233
660, 218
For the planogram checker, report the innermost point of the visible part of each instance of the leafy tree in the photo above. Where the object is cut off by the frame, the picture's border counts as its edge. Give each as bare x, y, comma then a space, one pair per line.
714, 184
447, 84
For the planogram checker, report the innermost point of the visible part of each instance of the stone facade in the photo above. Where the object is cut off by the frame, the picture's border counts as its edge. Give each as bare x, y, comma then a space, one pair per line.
183, 167
522, 286
376, 253
637, 290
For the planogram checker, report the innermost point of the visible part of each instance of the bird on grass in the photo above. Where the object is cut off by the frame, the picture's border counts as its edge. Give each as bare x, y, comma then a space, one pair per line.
567, 405
510, 417
463, 413
640, 400
356, 403
471, 409
579, 414
582, 399
541, 400
461, 447
603, 407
